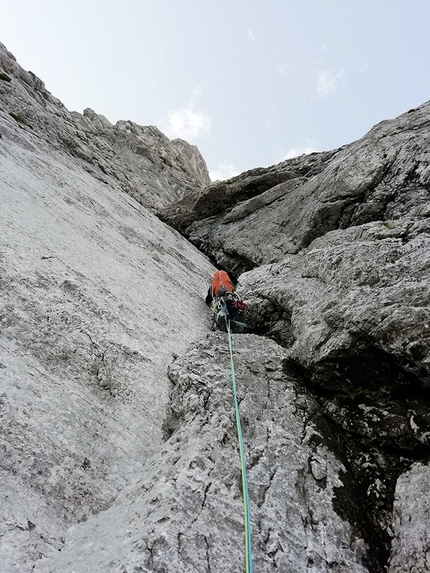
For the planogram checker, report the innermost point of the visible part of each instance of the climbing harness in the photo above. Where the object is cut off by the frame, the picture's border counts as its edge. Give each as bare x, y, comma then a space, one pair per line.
246, 509
221, 313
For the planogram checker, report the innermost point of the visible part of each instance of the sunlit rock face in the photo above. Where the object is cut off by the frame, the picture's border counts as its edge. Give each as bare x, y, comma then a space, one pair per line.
97, 295
411, 544
185, 511
117, 429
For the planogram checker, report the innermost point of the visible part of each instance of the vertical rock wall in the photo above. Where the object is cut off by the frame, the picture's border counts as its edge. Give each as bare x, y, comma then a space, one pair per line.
97, 295
337, 246
107, 465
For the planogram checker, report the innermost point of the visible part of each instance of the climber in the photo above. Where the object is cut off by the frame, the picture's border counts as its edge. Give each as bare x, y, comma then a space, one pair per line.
221, 285
226, 304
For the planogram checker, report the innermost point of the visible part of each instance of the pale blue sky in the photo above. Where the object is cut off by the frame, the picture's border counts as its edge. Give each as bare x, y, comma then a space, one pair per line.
249, 82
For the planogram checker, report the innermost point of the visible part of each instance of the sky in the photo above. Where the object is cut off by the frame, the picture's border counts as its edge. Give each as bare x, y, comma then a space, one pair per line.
250, 83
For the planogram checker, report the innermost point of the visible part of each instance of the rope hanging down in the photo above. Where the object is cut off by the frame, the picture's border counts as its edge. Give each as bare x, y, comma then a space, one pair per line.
246, 510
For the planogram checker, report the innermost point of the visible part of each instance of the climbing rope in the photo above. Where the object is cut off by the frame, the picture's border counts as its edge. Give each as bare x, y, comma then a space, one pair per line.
246, 510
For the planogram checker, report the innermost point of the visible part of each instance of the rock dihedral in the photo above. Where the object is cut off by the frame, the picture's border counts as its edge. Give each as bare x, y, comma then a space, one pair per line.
103, 470
337, 249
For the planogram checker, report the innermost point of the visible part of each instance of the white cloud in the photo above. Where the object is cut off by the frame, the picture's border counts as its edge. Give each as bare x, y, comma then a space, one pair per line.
328, 82
250, 35
222, 172
297, 151
187, 123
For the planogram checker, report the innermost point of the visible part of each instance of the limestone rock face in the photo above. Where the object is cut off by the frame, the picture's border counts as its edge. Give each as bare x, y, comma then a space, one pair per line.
145, 163
92, 310
258, 217
339, 244
185, 511
352, 310
411, 545
117, 429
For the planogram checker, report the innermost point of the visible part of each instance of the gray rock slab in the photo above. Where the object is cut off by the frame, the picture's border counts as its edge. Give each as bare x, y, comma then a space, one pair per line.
185, 513
97, 295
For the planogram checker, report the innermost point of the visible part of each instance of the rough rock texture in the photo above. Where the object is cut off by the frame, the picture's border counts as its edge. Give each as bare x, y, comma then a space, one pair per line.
146, 164
411, 545
353, 310
92, 308
340, 247
258, 217
112, 460
222, 196
185, 512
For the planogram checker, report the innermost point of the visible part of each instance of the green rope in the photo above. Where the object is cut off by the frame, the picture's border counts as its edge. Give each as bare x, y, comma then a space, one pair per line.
246, 510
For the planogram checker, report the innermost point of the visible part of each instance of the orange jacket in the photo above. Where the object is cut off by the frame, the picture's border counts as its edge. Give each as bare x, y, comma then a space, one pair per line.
221, 279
